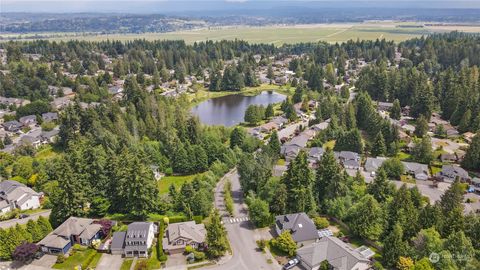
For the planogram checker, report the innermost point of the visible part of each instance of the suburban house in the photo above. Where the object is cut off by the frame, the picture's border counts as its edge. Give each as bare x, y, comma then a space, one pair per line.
136, 241
18, 102
349, 160
12, 126
372, 164
301, 227
448, 157
290, 151
339, 255
49, 116
28, 120
73, 231
450, 172
15, 195
315, 154
417, 170
384, 106
320, 127
179, 235
31, 140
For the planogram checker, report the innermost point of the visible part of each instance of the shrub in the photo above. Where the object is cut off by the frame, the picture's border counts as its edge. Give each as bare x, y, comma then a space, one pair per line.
177, 219
262, 244
25, 252
168, 171
61, 258
284, 242
199, 256
141, 265
321, 222
189, 249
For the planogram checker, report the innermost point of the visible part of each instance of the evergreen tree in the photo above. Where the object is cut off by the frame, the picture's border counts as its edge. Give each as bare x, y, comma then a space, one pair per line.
460, 247
378, 148
366, 218
464, 124
329, 180
4, 247
232, 80
381, 189
299, 182
69, 198
315, 79
422, 152
421, 128
274, 144
259, 211
269, 112
452, 209
44, 226
215, 81
472, 157
237, 137
396, 110
7, 140
270, 74
394, 247
216, 239
34, 229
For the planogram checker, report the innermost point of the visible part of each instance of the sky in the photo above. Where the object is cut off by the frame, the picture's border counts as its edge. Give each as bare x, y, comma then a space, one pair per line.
178, 6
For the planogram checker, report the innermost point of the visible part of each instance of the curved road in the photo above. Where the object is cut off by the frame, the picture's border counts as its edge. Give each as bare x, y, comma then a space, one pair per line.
241, 232
12, 222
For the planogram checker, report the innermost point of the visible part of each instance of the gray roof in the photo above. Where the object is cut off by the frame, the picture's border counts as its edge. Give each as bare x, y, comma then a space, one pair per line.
137, 232
28, 118
372, 164
300, 140
118, 240
338, 254
83, 227
14, 191
187, 230
416, 168
299, 225
348, 155
49, 116
453, 171
316, 152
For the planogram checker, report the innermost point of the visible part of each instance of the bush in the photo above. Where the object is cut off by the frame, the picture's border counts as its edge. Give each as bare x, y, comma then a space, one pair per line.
168, 171
61, 258
197, 219
141, 265
177, 219
199, 256
321, 222
284, 242
189, 249
262, 244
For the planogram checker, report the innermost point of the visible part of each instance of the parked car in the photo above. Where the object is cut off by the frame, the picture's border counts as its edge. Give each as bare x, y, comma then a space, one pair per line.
38, 255
290, 264
23, 216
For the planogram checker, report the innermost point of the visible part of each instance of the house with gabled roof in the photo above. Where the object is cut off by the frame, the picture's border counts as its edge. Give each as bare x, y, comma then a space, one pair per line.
372, 164
451, 172
15, 195
339, 255
417, 170
300, 226
73, 231
179, 235
136, 241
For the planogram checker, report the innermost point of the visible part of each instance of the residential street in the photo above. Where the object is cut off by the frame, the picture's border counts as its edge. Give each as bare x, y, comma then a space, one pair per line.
241, 234
13, 222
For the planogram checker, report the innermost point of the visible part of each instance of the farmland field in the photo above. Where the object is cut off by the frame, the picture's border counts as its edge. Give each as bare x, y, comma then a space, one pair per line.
278, 35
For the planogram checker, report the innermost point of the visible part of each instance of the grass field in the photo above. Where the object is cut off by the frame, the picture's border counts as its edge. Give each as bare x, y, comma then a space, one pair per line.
176, 180
278, 35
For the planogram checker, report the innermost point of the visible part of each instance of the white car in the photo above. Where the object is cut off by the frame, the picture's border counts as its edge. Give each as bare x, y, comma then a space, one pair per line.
291, 264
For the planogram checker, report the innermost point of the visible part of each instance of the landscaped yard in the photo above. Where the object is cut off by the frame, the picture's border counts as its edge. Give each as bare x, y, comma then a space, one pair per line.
88, 257
403, 156
177, 180
152, 262
127, 263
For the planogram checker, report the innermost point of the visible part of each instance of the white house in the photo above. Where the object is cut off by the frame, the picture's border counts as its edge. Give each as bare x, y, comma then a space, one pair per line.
14, 195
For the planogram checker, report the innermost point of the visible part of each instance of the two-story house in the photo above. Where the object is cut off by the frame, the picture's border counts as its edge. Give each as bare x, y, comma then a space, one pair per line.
136, 241
15, 195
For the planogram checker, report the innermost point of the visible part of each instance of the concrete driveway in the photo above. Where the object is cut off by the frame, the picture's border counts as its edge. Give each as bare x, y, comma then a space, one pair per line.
12, 222
45, 262
176, 262
110, 262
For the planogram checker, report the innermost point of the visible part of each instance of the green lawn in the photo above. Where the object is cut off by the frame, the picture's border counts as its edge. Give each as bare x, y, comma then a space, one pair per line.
176, 180
127, 263
78, 259
403, 156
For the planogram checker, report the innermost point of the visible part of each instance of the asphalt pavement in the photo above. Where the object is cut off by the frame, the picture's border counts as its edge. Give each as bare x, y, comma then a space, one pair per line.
241, 233
12, 222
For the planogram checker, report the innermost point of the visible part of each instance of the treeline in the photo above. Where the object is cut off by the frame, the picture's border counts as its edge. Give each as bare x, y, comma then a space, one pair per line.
440, 72
32, 232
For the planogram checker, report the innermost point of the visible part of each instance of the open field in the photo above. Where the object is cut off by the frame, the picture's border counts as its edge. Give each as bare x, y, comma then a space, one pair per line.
279, 35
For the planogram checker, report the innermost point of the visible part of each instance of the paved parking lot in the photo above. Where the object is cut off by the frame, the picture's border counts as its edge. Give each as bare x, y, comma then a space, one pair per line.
110, 262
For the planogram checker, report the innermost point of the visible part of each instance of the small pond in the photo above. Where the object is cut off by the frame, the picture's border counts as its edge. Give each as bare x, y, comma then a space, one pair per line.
229, 110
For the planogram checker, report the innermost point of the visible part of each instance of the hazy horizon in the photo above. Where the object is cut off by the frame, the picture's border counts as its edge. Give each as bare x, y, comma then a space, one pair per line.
212, 6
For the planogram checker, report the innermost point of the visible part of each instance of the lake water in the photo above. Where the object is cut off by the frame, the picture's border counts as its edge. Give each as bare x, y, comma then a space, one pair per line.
230, 110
